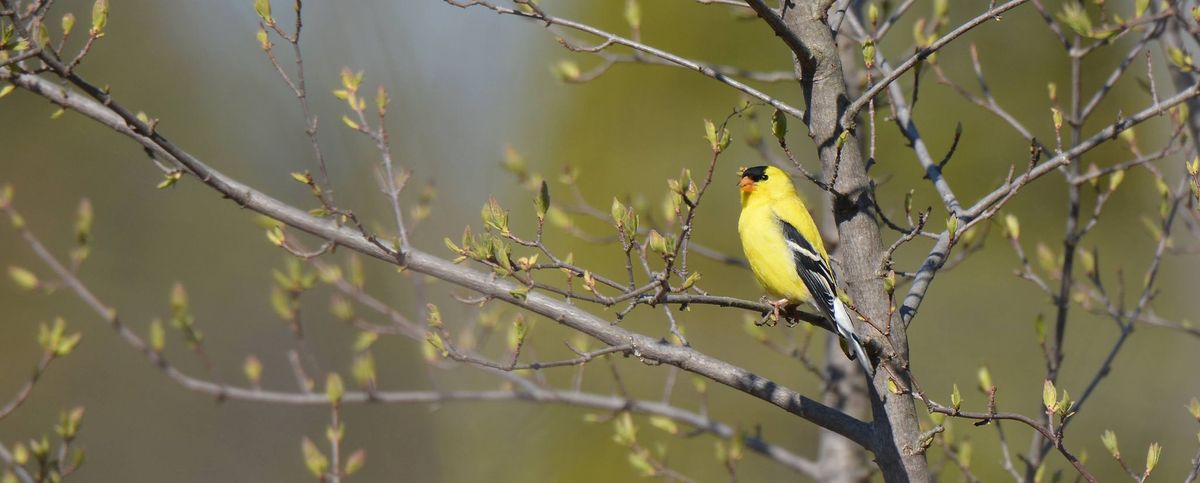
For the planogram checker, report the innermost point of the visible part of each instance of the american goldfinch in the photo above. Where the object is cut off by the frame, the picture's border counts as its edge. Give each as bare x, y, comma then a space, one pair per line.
785, 251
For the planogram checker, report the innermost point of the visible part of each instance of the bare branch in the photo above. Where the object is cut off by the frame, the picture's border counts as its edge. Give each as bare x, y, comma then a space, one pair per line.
847, 119
112, 115
607, 37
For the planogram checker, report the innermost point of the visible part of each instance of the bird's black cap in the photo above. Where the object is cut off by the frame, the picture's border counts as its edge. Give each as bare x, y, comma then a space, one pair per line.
756, 174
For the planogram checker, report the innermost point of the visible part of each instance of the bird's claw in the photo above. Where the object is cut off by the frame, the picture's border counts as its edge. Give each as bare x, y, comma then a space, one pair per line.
773, 316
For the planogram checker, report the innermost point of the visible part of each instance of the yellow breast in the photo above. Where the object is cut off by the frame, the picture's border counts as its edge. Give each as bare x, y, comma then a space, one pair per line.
767, 251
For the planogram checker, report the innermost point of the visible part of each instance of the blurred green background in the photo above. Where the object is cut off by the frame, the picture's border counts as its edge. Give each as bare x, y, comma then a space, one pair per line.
465, 84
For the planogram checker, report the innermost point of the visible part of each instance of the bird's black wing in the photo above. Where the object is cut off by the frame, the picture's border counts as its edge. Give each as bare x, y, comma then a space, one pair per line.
812, 268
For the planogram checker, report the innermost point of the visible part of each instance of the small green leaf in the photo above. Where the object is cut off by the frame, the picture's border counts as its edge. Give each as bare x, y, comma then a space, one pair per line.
710, 134
263, 8
282, 304
779, 126
158, 336
1140, 7
1046, 258
350, 123
83, 221
363, 369
275, 235
737, 448
170, 179
334, 388
868, 53
1012, 226
918, 32
67, 344
341, 309
434, 320
633, 14
23, 278
99, 16
264, 41
1179, 58
18, 222
1152, 457
68, 22
494, 216
690, 281
20, 455
665, 424
941, 8
178, 298
657, 243
382, 100
1076, 18
435, 348
985, 379
517, 332
619, 212
1064, 403
355, 462
68, 423
350, 79
956, 398
567, 70
314, 460
723, 143
542, 200
624, 430
1049, 396
641, 462
252, 368
1087, 260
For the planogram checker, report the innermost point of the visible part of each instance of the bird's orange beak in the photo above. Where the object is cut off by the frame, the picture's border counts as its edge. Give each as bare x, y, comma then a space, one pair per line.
746, 185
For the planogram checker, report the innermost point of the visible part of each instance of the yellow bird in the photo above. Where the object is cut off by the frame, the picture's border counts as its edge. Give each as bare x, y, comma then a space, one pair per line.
785, 251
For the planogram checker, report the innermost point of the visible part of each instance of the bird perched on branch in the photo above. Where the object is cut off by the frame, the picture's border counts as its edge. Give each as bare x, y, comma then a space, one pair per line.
787, 256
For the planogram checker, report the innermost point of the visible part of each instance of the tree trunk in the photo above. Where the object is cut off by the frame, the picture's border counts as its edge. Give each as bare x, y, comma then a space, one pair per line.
860, 250
839, 459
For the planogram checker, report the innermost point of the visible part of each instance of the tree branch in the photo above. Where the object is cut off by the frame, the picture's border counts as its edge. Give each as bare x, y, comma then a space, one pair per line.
700, 67
112, 115
848, 116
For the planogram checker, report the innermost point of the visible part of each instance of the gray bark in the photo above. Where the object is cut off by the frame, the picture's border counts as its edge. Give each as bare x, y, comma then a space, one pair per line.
802, 25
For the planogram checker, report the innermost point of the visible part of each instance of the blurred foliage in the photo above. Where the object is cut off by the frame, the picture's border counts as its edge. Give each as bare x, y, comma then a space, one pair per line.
463, 85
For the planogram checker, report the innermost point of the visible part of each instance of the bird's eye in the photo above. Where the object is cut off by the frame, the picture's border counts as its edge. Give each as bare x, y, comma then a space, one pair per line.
764, 178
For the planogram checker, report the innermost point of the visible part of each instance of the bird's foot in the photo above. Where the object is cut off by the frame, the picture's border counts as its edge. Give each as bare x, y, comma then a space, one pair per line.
775, 314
